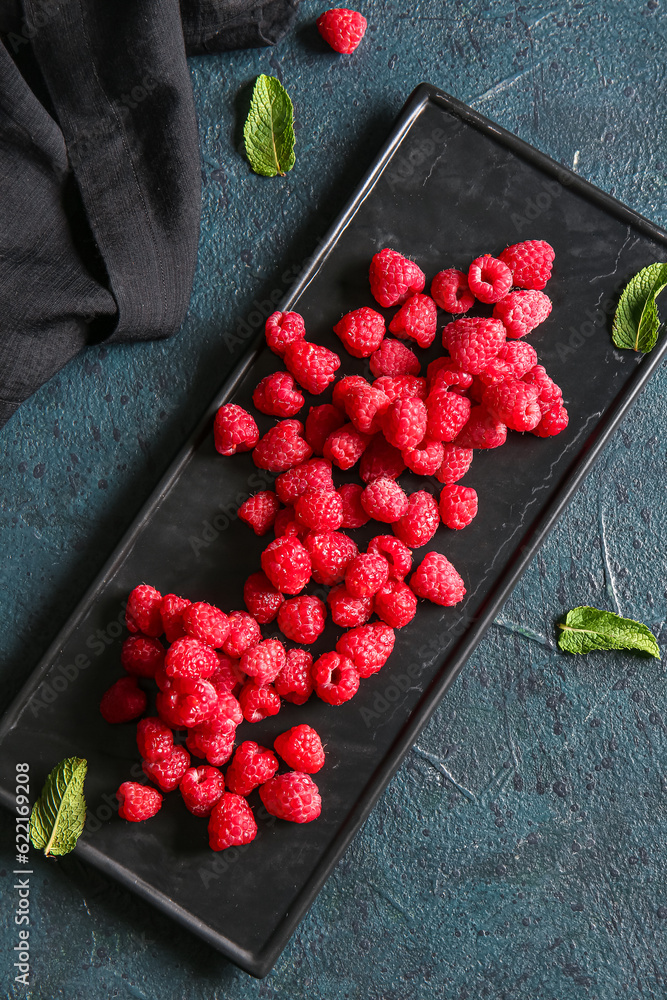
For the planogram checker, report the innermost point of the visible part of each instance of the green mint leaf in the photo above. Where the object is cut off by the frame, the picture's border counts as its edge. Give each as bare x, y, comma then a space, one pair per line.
268, 132
59, 813
636, 323
586, 629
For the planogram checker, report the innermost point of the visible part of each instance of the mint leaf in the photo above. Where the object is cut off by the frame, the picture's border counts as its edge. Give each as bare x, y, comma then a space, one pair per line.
586, 629
636, 323
59, 813
268, 132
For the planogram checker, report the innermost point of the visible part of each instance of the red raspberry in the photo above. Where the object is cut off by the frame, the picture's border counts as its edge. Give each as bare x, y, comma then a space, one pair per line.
365, 406
319, 510
420, 522
458, 506
426, 458
155, 740
553, 421
260, 511
244, 632
450, 290
404, 423
123, 701
489, 279
395, 604
396, 552
381, 460
365, 574
190, 659
514, 360
302, 619
394, 278
403, 386
213, 740
354, 515
282, 329
301, 748
447, 414
549, 392
416, 320
261, 598
137, 802
286, 524
343, 386
342, 29
142, 656
436, 580
522, 311
320, 423
293, 796
514, 403
234, 430
187, 703
345, 446
330, 552
287, 564
393, 358
282, 447
171, 610
276, 396
455, 464
229, 675
294, 683
258, 703
315, 474
201, 787
473, 342
142, 612
335, 677
346, 610
231, 822
530, 263
482, 430
361, 331
476, 390
251, 766
264, 661
445, 373
384, 500
167, 772
228, 707
368, 646
312, 366
207, 623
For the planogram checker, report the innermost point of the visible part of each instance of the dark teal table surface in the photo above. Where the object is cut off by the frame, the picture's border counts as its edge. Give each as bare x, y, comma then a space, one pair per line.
521, 849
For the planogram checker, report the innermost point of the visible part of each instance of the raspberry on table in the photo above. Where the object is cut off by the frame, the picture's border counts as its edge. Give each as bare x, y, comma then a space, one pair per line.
201, 787
313, 367
384, 500
282, 329
455, 463
368, 646
420, 521
473, 342
213, 740
168, 771
345, 446
319, 510
123, 701
294, 683
231, 823
403, 386
155, 739
365, 406
530, 263
394, 278
322, 421
417, 320
142, 612
521, 311
277, 396
514, 403
549, 392
354, 515
207, 623
343, 386
264, 661
287, 564
190, 659
346, 610
450, 290
554, 420
483, 430
244, 632
404, 423
335, 677
396, 552
446, 414
365, 574
186, 704
261, 598
342, 29
380, 460
330, 553
257, 702
436, 580
137, 802
250, 767
171, 609
395, 604
141, 656
361, 331
282, 447
489, 279
301, 749
234, 430
514, 360
302, 619
393, 358
259, 511
426, 458
458, 506
313, 474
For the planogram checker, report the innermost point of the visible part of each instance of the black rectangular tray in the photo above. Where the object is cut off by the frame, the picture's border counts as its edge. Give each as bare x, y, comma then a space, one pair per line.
448, 185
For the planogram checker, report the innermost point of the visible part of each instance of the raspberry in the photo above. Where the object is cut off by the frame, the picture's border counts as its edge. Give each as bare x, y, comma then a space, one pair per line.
261, 598
229, 675
234, 430
287, 524
404, 423
171, 610
205, 622
365, 574
250, 767
276, 396
187, 703
530, 263
201, 787
190, 659
312, 366
294, 683
522, 311
361, 331
458, 506
445, 373
213, 740
231, 822
489, 279
244, 632
228, 707
514, 403
123, 701
420, 522
259, 511
476, 390
395, 604
426, 458
553, 421
302, 619
393, 358
436, 580
258, 702
342, 29
335, 677
343, 386
319, 510
403, 386
282, 447
380, 460
549, 392
416, 320
396, 552
330, 552
315, 474
368, 646
346, 610
264, 661
282, 329
137, 802
168, 771
155, 740
142, 612
473, 342
354, 515
345, 446
365, 406
320, 423
394, 278
455, 464
514, 360
384, 500
482, 430
142, 656
301, 748
293, 796
287, 564
447, 413
450, 290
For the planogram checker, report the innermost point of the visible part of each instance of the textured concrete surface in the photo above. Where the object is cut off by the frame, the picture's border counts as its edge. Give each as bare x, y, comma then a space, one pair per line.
520, 850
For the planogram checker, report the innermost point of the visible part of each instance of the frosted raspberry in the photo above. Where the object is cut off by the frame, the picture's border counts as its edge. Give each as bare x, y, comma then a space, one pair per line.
287, 564
403, 386
384, 500
229, 676
436, 580
320, 423
282, 329
171, 610
201, 787
456, 462
243, 633
319, 510
294, 683
361, 331
514, 360
187, 703
354, 515
404, 423
530, 263
365, 406
426, 458
313, 367
277, 396
123, 701
208, 624
514, 403
259, 511
335, 677
380, 460
473, 342
416, 320
420, 522
261, 598
445, 373
549, 392
264, 661
137, 802
190, 659
213, 740
554, 420
396, 552
345, 446
522, 311
258, 703
231, 823
315, 474
458, 506
394, 278
395, 604
482, 430
142, 612
368, 646
346, 610
250, 767
450, 290
167, 772
342, 29
447, 413
365, 574
393, 358
142, 656
330, 552
301, 748
155, 740
343, 386
302, 619
489, 279
282, 447
234, 430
